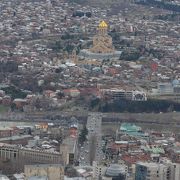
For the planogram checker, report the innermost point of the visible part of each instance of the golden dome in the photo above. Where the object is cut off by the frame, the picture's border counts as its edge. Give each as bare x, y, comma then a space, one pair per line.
103, 24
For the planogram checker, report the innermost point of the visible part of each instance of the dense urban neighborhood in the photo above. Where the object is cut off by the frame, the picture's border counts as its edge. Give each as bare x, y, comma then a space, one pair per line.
90, 90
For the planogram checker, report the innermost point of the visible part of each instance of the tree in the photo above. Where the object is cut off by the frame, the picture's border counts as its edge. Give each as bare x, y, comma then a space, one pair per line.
151, 105
130, 56
13, 107
14, 92
9, 66
60, 95
37, 103
83, 134
94, 102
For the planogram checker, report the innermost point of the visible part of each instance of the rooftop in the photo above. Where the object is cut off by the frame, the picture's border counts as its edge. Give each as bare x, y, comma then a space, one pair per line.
71, 143
15, 137
38, 178
115, 169
150, 164
129, 127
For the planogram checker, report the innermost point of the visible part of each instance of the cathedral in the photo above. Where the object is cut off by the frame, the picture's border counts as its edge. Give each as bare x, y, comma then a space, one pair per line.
102, 42
102, 47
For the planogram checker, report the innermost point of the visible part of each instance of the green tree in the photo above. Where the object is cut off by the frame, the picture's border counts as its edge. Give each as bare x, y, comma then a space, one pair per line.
83, 134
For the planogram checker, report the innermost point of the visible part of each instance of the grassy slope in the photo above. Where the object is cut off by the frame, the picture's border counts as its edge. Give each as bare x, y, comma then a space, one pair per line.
3, 109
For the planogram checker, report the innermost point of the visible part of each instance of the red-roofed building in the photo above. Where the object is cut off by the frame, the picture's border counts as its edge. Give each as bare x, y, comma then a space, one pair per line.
72, 92
73, 132
89, 91
130, 159
6, 100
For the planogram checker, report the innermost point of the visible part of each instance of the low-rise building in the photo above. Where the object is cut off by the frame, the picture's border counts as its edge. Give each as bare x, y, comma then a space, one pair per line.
49, 171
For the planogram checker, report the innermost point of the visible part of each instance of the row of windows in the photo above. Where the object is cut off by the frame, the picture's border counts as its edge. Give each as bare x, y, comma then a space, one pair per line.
10, 154
41, 156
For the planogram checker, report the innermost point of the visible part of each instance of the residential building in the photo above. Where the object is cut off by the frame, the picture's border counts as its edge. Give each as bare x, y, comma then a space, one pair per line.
156, 171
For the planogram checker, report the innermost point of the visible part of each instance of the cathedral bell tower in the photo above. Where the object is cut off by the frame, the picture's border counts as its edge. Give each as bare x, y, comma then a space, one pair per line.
74, 57
102, 28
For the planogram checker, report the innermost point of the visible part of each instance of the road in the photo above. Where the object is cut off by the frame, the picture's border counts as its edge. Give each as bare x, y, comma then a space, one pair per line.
58, 117
94, 123
92, 148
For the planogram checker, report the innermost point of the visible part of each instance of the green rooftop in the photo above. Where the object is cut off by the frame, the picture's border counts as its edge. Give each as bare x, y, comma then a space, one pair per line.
154, 150
132, 130
128, 127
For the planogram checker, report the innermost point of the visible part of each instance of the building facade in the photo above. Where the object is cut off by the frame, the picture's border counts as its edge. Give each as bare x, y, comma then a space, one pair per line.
18, 157
50, 171
157, 171
69, 150
117, 94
